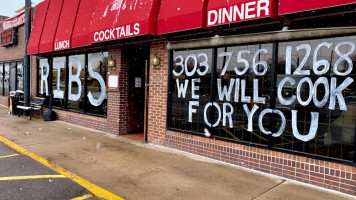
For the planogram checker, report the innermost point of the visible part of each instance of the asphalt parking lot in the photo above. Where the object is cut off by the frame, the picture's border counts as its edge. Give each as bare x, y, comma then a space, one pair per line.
22, 177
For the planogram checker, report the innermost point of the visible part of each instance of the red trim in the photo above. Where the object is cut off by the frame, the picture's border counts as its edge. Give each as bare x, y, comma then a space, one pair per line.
66, 23
51, 24
122, 19
80, 34
37, 28
181, 15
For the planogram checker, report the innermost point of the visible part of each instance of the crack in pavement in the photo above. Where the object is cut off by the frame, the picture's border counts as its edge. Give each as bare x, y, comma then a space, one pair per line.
283, 181
27, 145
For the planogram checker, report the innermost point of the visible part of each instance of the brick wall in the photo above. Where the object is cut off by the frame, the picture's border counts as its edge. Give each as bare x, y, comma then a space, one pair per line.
14, 52
121, 104
325, 174
33, 78
157, 104
88, 121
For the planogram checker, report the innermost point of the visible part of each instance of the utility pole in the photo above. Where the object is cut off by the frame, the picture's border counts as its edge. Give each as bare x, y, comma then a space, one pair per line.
27, 60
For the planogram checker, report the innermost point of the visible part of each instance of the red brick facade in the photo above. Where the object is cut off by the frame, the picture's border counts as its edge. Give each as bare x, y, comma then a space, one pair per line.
33, 77
121, 102
14, 52
325, 174
157, 105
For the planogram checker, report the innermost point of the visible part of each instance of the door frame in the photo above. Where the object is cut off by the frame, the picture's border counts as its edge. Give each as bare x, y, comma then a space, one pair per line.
146, 89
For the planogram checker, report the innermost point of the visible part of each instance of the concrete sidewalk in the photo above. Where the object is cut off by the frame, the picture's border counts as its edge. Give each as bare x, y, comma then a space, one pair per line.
134, 170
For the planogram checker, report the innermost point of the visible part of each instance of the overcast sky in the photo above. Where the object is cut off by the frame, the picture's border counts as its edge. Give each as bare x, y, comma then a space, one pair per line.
8, 7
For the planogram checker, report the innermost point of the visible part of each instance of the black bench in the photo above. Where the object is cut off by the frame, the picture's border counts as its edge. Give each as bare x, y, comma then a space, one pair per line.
36, 105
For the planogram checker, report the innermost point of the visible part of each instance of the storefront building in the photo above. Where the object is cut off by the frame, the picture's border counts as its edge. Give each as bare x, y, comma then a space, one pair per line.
11, 56
263, 84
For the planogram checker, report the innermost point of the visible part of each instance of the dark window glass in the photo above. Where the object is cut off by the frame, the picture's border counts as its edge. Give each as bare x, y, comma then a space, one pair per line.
96, 83
237, 69
43, 78
58, 81
86, 88
335, 135
192, 67
1, 79
314, 110
20, 75
7, 79
12, 77
76, 82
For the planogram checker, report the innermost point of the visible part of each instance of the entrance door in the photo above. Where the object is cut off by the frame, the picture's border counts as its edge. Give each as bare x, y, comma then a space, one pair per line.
137, 59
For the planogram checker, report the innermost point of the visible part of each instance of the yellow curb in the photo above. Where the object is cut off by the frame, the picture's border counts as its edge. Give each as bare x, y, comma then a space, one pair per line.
96, 190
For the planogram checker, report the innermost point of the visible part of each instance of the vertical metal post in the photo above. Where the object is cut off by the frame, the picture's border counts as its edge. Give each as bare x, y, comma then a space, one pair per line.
273, 94
213, 78
354, 161
85, 100
66, 84
27, 58
147, 89
169, 90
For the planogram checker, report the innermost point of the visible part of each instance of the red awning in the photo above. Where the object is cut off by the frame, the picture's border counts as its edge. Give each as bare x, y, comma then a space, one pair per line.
181, 15
50, 26
80, 36
230, 11
62, 39
116, 19
294, 6
40, 17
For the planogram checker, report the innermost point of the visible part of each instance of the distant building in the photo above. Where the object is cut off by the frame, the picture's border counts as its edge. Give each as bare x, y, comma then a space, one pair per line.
1, 19
11, 55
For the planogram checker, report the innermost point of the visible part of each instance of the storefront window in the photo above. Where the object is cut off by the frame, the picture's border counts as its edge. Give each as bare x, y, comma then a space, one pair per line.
96, 83
12, 76
58, 81
239, 76
20, 76
77, 82
1, 79
76, 78
320, 65
190, 89
309, 108
7, 79
44, 78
